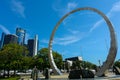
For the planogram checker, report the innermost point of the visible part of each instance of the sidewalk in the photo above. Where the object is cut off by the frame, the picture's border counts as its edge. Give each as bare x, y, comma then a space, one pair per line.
65, 77
41, 77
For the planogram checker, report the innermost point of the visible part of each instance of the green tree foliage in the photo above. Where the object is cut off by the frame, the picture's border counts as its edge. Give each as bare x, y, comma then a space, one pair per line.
88, 65
43, 61
76, 65
58, 59
38, 62
25, 63
83, 64
11, 56
117, 63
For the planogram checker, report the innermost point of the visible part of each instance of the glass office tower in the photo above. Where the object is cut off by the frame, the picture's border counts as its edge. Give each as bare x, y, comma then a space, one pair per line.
21, 36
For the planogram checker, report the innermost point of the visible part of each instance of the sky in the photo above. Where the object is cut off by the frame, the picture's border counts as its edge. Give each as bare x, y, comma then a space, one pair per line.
83, 33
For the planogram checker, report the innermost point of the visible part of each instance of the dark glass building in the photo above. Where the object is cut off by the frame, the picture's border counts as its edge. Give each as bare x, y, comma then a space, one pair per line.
30, 46
21, 36
77, 58
10, 38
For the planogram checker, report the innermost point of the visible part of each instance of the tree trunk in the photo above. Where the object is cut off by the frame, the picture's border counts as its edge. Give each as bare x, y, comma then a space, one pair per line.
4, 73
8, 73
0, 73
14, 72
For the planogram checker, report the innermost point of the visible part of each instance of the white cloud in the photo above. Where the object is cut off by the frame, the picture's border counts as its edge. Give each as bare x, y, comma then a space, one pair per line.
74, 37
18, 7
71, 5
115, 8
66, 40
45, 41
62, 9
63, 41
4, 29
98, 23
73, 31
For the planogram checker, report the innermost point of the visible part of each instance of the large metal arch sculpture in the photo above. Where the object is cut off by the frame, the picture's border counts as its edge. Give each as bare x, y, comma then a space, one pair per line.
113, 43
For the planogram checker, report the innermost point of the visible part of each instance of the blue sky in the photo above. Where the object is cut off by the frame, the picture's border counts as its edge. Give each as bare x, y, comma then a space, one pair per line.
83, 33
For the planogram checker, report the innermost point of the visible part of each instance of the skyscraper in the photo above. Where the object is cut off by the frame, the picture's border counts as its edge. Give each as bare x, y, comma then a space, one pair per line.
33, 46
2, 40
10, 38
30, 45
21, 36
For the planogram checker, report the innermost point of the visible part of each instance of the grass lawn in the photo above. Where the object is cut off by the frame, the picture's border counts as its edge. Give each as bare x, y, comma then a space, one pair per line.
11, 78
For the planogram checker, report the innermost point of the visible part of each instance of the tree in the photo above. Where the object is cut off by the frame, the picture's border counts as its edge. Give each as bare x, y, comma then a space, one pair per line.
83, 64
117, 63
38, 62
89, 65
43, 54
25, 63
11, 55
44, 61
76, 64
58, 59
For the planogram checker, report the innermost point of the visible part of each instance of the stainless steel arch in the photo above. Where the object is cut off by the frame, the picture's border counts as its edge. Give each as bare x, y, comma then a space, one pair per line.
113, 44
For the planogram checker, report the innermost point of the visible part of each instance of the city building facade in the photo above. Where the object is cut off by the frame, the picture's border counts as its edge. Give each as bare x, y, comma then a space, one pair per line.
10, 38
21, 36
30, 46
2, 40
33, 46
35, 49
77, 58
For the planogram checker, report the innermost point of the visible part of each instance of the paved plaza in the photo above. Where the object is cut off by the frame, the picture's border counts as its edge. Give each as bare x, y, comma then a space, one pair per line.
64, 76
